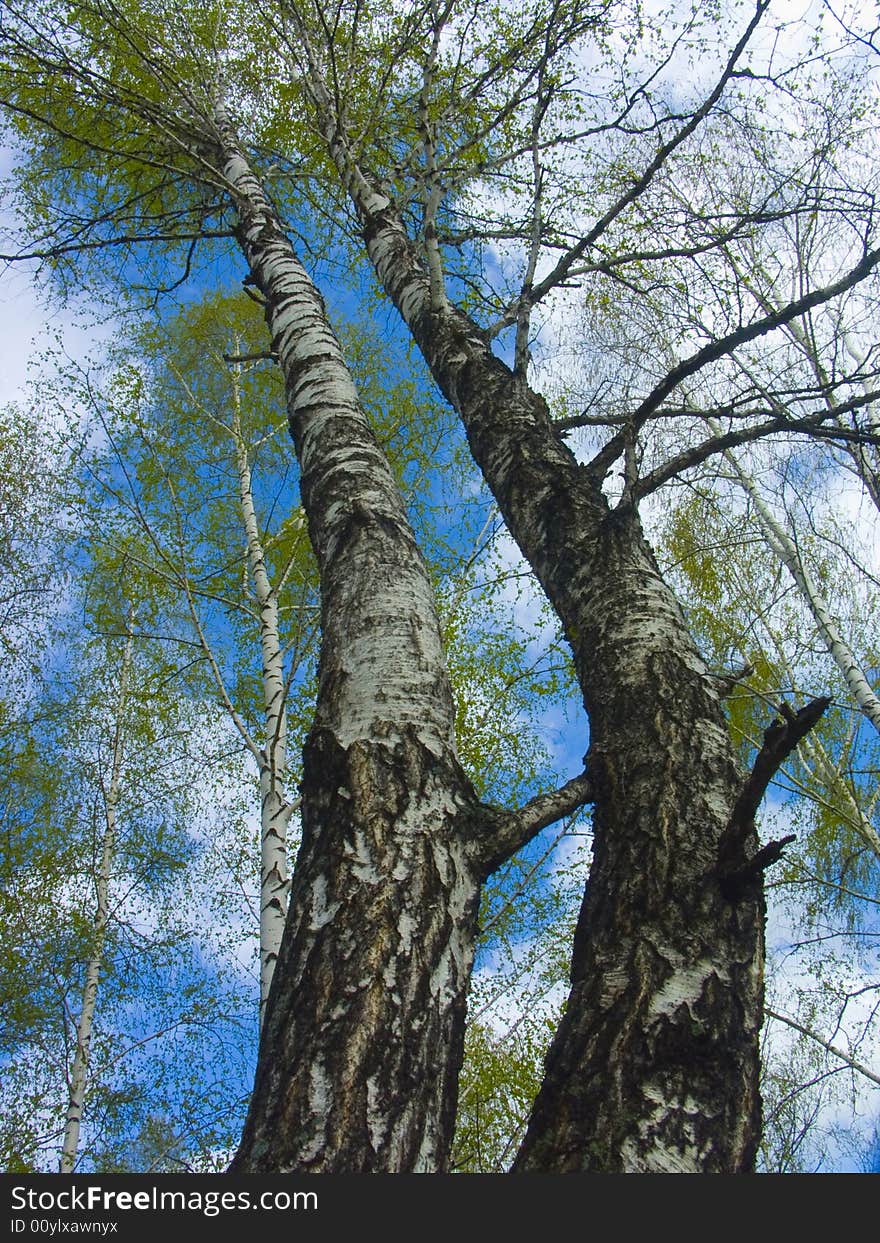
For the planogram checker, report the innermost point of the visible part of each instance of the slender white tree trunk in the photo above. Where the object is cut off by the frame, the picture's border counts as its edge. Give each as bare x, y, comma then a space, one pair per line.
827, 771
274, 810
85, 1025
787, 551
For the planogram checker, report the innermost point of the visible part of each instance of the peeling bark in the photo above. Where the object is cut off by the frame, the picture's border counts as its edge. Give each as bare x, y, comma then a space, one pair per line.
364, 1028
366, 1019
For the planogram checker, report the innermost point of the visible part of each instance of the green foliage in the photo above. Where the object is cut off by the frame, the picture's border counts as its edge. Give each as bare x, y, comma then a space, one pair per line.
502, 1074
31, 540
56, 779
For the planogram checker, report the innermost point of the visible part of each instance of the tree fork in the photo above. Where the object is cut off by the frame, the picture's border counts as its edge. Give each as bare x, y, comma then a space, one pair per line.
655, 1064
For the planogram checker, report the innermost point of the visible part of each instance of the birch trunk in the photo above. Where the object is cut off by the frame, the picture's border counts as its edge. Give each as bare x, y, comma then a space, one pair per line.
363, 1031
85, 1024
655, 1064
654, 1067
274, 810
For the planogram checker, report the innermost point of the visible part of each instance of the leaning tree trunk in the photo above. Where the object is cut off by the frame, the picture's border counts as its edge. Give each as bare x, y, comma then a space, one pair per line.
363, 1032
655, 1064
785, 548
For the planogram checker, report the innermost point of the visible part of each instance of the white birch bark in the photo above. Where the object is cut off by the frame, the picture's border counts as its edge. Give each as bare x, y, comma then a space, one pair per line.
274, 809
432, 192
786, 550
364, 1027
324, 405
271, 757
370, 986
846, 1058
85, 1025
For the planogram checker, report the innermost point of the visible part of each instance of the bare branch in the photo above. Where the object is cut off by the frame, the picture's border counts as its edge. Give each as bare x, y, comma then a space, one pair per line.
751, 332
816, 425
509, 831
860, 1067
780, 739
563, 268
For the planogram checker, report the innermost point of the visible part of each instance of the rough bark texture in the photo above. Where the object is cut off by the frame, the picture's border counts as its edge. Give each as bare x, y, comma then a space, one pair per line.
362, 1038
655, 1065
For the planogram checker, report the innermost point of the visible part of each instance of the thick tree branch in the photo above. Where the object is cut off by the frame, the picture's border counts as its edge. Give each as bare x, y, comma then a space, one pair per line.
757, 402
509, 831
780, 739
815, 425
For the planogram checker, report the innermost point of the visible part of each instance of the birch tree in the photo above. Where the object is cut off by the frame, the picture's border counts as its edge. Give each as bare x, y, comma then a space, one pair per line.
645, 962
551, 133
819, 362
417, 893
106, 857
171, 421
148, 509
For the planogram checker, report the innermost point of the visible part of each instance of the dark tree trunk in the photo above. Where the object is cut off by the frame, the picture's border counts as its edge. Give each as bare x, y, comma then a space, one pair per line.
362, 1044
654, 1066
